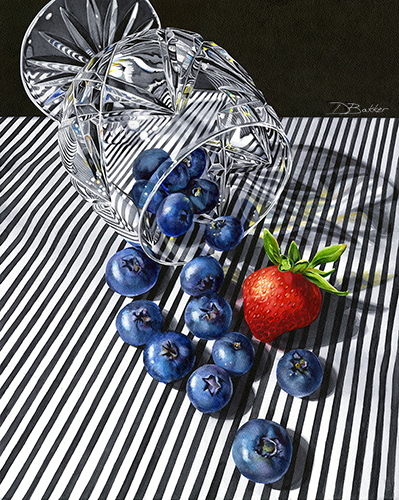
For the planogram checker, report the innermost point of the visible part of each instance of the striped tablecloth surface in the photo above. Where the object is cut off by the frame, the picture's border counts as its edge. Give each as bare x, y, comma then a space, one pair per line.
81, 419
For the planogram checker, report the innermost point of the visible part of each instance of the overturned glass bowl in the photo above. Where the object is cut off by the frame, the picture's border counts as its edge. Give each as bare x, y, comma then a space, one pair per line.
119, 84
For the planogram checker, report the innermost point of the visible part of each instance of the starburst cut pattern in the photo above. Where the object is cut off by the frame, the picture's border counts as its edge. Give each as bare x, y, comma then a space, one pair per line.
73, 35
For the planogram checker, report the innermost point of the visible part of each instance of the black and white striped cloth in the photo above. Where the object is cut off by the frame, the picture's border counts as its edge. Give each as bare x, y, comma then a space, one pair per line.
81, 419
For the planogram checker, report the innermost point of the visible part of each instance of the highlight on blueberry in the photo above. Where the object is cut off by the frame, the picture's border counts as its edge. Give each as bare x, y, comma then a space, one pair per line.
234, 352
224, 233
299, 373
209, 388
169, 356
201, 275
131, 272
175, 214
138, 321
208, 316
262, 451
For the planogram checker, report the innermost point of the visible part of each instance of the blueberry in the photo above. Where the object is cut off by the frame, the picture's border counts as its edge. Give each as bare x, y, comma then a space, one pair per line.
175, 214
208, 316
138, 321
201, 275
203, 194
209, 388
224, 233
169, 356
196, 162
130, 272
262, 451
299, 373
234, 352
147, 162
177, 179
141, 190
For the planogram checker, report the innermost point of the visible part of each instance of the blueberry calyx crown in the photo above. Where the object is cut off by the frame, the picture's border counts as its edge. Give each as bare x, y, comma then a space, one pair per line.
295, 264
169, 350
133, 264
206, 283
184, 216
218, 224
237, 346
212, 384
266, 447
142, 317
210, 312
299, 364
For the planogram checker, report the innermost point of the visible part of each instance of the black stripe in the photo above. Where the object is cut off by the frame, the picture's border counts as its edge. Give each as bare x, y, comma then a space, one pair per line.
17, 138
17, 200
105, 416
289, 342
324, 151
379, 432
347, 340
62, 371
40, 225
365, 419
391, 476
29, 285
55, 416
48, 321
333, 340
102, 461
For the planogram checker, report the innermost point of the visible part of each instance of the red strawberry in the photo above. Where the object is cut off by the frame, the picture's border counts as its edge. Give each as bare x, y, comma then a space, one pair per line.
287, 295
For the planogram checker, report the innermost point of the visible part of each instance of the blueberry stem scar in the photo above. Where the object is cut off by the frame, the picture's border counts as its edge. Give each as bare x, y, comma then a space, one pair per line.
132, 264
169, 350
266, 447
213, 384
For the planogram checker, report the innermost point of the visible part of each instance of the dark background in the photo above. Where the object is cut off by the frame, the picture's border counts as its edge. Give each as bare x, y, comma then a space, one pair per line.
302, 54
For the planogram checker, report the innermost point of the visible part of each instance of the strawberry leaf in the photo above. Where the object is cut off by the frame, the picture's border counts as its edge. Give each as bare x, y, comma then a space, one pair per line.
271, 247
318, 280
328, 254
300, 266
323, 273
293, 253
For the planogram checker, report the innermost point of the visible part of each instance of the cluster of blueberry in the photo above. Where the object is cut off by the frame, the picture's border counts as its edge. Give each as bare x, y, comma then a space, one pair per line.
208, 316
262, 449
182, 195
170, 356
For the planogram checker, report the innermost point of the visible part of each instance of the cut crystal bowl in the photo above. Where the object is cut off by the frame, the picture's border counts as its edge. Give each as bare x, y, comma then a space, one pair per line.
119, 84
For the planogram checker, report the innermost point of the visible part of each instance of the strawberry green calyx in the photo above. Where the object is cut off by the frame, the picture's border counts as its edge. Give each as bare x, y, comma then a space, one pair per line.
295, 264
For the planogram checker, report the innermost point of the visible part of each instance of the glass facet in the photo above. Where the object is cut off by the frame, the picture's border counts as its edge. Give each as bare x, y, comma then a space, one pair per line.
119, 84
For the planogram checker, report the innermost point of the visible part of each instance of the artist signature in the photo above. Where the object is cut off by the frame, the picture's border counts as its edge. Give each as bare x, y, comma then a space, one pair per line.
353, 108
